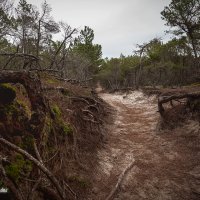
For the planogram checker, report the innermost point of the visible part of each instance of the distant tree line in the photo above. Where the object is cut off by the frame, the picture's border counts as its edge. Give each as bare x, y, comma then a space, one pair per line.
27, 42
174, 63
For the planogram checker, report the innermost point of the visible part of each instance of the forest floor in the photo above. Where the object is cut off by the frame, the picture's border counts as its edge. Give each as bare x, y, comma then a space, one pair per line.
166, 163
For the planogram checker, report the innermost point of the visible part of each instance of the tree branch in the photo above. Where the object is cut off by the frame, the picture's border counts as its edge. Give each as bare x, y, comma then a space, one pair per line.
51, 177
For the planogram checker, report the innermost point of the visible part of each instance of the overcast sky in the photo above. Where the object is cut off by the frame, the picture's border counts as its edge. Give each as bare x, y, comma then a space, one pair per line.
118, 24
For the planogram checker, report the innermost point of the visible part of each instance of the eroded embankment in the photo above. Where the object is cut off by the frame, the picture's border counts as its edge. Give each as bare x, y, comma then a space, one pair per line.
166, 164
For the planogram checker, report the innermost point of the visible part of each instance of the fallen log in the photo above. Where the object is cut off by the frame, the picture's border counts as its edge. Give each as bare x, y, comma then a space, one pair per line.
163, 98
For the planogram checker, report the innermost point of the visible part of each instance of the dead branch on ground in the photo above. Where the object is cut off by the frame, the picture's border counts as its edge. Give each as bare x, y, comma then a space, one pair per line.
40, 165
120, 179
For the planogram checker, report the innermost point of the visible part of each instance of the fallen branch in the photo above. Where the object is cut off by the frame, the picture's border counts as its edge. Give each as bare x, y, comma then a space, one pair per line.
90, 120
121, 178
60, 89
71, 191
37, 152
34, 188
19, 55
60, 47
93, 107
73, 81
44, 70
87, 112
51, 177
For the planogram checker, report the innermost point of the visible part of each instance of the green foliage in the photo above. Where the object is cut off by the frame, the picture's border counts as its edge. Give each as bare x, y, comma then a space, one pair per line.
13, 171
15, 112
24, 106
84, 46
7, 93
63, 128
195, 84
66, 128
28, 143
56, 110
115, 71
161, 63
154, 50
52, 81
18, 166
9, 109
184, 15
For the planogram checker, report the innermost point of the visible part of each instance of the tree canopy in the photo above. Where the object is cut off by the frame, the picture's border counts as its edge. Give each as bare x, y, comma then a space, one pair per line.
184, 15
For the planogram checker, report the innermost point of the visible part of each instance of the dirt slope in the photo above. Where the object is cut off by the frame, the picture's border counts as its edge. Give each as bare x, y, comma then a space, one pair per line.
166, 164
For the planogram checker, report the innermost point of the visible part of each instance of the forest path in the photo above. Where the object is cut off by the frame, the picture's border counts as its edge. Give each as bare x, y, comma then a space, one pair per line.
164, 167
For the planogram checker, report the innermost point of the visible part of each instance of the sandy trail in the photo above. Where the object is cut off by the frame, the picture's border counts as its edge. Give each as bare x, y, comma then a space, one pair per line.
167, 165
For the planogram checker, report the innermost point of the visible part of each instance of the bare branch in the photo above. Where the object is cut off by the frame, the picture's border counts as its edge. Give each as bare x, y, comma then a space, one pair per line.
121, 177
61, 45
40, 165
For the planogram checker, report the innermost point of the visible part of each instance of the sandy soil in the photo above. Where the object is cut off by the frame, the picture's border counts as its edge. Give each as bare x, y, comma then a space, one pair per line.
166, 164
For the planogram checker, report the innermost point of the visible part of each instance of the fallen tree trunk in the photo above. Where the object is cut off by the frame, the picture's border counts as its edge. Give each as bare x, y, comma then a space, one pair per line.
163, 98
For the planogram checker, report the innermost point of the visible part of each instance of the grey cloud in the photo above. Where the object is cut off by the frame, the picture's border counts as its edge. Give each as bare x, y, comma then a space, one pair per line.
118, 24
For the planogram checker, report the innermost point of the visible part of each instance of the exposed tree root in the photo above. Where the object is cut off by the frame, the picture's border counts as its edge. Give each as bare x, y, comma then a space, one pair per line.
165, 98
46, 136
120, 179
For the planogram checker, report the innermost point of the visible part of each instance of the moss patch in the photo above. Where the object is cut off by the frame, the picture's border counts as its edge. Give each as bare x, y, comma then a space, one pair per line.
62, 127
18, 166
56, 110
9, 109
13, 119
28, 143
66, 129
